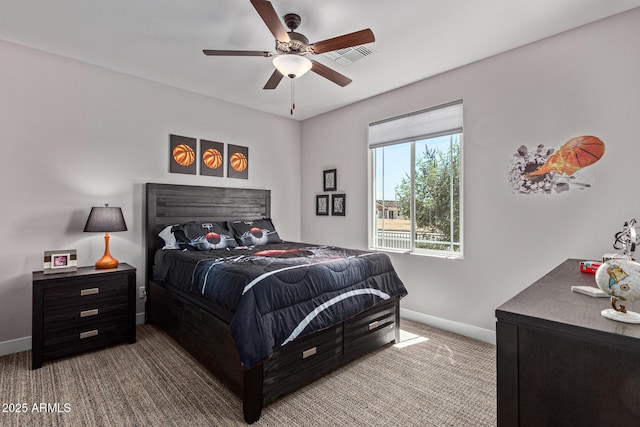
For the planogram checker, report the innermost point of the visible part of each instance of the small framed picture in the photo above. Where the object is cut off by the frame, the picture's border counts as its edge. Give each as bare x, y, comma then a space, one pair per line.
330, 180
322, 204
60, 261
338, 203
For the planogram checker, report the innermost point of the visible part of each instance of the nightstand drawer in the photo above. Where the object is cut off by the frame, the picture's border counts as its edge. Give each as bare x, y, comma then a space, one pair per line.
84, 337
86, 315
80, 292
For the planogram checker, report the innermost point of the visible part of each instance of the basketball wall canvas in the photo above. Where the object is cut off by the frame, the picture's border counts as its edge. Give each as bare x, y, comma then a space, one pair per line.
238, 165
211, 158
182, 154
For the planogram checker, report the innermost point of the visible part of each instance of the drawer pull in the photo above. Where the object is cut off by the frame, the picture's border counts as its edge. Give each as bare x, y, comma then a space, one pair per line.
309, 353
88, 334
88, 313
373, 325
90, 291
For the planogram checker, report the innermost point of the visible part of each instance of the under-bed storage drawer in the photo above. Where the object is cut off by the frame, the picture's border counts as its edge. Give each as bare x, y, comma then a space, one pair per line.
370, 330
308, 358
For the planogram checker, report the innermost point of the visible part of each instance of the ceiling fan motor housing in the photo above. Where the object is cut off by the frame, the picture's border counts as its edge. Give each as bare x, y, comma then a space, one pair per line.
298, 44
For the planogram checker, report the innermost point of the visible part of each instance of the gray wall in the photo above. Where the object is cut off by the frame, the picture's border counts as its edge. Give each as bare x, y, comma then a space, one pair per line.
583, 82
75, 136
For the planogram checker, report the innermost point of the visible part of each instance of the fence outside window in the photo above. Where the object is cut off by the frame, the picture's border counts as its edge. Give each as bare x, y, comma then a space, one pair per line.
401, 240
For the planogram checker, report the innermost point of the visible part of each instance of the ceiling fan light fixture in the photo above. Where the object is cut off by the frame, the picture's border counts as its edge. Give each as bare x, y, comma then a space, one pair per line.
292, 65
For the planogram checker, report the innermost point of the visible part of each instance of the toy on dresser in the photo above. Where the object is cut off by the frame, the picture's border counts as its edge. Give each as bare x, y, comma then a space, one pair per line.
619, 276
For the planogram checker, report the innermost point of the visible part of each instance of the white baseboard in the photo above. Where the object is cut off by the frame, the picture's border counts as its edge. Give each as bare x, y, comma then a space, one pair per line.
470, 331
24, 344
15, 346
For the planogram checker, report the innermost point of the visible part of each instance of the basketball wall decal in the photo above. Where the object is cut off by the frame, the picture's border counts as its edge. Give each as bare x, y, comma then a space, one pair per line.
184, 155
212, 158
238, 162
574, 155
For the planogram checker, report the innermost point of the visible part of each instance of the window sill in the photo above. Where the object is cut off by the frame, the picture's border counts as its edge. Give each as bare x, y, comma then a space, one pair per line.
425, 254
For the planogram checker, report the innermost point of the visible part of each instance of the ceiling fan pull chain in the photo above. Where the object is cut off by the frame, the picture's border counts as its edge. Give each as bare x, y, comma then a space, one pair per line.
293, 95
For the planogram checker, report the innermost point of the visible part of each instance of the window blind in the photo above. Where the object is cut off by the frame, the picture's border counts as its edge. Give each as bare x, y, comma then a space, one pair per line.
428, 123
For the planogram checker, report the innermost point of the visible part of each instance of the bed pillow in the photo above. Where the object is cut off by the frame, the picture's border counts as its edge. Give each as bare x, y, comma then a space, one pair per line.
204, 235
169, 238
255, 232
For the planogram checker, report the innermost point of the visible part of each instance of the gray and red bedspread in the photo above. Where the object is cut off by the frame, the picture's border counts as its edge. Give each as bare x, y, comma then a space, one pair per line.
278, 292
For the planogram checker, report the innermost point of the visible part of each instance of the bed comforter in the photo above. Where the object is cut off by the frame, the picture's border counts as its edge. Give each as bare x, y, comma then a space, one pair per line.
279, 292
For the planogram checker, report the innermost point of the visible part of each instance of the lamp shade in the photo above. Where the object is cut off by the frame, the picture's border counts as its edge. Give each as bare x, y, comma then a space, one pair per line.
292, 65
105, 219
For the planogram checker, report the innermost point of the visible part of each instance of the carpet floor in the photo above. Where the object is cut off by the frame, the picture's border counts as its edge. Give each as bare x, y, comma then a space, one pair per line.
445, 380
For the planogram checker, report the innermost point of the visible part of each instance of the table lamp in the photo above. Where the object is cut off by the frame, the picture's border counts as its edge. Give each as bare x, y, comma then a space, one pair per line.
105, 219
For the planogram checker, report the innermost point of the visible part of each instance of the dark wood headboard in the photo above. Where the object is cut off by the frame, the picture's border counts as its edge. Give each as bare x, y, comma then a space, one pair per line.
169, 204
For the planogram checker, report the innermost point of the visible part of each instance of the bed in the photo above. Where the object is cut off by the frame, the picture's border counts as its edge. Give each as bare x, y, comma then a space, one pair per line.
258, 356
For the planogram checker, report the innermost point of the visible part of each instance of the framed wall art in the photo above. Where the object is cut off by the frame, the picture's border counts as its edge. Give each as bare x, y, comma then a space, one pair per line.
182, 154
322, 204
238, 165
60, 261
338, 204
211, 158
330, 180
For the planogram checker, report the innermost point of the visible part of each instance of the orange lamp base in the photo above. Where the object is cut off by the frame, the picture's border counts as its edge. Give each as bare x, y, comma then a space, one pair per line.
107, 261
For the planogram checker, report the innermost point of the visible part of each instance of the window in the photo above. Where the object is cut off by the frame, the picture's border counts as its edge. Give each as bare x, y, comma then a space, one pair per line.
416, 182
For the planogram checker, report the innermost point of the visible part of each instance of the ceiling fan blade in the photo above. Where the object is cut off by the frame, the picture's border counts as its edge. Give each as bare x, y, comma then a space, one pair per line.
210, 52
270, 17
341, 42
330, 74
274, 80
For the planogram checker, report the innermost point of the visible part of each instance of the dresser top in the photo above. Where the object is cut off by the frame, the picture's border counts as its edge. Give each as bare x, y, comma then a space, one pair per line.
83, 271
550, 303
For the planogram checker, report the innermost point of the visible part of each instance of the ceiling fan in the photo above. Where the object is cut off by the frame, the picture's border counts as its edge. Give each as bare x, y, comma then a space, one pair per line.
292, 47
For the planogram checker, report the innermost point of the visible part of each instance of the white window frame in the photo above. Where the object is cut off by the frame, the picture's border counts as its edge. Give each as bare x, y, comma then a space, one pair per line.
409, 128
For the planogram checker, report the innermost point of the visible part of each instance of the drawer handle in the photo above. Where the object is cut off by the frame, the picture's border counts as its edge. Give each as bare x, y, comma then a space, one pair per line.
309, 353
88, 334
90, 291
88, 313
373, 325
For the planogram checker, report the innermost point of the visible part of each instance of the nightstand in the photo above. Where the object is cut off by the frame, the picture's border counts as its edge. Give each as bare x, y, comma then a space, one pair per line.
82, 310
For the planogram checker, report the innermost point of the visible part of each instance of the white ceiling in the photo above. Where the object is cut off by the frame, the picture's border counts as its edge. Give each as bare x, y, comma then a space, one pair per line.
162, 40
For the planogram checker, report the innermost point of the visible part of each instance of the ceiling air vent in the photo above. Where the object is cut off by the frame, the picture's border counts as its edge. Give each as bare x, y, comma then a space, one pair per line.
348, 56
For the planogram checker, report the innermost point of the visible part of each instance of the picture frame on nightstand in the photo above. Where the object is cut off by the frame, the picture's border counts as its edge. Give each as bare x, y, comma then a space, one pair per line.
60, 261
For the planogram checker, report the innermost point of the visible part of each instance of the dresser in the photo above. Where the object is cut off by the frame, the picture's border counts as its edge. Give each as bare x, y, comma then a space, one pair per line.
82, 310
560, 363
